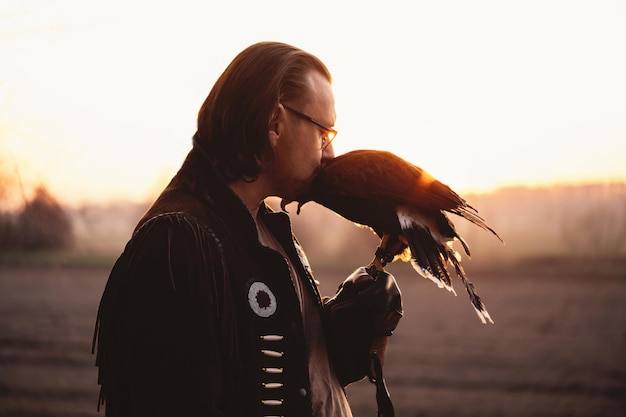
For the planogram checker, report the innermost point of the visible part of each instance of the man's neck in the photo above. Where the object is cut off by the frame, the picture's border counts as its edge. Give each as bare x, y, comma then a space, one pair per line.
251, 194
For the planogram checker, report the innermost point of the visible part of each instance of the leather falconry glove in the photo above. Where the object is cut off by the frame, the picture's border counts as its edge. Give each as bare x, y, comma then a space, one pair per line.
358, 321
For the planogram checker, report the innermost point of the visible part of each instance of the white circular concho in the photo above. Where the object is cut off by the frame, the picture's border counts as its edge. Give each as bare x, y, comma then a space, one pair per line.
261, 299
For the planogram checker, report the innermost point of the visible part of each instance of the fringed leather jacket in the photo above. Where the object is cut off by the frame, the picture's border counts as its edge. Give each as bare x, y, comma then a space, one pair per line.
196, 318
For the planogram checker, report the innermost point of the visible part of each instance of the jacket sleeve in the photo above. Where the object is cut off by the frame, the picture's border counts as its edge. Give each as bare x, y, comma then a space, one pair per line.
159, 351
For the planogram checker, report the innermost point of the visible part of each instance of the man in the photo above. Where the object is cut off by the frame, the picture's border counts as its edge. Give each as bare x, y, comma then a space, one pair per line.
212, 309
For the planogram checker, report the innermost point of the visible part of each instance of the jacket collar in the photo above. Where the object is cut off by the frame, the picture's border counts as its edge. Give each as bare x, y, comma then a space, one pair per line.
200, 178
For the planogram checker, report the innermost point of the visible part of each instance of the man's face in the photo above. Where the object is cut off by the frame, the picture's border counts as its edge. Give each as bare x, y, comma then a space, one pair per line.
297, 149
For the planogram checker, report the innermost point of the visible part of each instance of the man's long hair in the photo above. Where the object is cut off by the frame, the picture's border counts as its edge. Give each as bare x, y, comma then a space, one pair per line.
234, 121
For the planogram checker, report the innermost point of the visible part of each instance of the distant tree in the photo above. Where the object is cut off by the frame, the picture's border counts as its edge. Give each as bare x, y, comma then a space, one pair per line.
7, 218
43, 224
596, 225
8, 235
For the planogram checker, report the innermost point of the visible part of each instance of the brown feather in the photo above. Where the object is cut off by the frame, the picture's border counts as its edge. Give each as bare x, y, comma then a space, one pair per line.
376, 188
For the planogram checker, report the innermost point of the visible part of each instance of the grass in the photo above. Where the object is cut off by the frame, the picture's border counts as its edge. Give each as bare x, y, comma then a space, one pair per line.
536, 265
56, 259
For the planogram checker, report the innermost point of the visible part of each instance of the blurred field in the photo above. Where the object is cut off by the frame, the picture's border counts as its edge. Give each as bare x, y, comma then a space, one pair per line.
557, 349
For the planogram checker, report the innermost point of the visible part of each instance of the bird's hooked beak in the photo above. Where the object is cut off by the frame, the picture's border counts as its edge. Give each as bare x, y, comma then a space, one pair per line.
284, 203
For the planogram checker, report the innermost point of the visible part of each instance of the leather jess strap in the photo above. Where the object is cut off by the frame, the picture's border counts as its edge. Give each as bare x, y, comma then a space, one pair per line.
385, 407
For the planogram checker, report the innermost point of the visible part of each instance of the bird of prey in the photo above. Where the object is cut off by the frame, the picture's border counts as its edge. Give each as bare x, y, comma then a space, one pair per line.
406, 207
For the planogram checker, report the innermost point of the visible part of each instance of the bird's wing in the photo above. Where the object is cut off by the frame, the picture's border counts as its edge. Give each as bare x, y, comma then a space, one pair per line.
385, 179
384, 176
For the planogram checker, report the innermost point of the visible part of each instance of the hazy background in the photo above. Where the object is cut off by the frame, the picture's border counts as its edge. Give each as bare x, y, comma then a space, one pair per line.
518, 106
98, 100
556, 291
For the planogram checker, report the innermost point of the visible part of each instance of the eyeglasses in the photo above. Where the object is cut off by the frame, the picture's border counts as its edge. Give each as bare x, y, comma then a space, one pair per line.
330, 132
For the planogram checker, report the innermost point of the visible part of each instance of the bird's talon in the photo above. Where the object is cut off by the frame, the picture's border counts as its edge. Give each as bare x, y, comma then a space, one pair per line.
385, 257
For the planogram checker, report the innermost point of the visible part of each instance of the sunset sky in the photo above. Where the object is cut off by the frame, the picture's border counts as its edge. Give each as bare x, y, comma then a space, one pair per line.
98, 100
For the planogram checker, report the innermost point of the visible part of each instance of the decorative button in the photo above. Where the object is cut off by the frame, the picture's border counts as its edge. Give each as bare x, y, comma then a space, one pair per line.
261, 299
272, 385
272, 353
302, 392
272, 337
273, 370
272, 402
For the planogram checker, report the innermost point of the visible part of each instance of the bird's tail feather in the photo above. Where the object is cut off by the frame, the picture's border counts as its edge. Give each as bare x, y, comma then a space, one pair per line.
471, 214
427, 256
430, 256
477, 303
434, 278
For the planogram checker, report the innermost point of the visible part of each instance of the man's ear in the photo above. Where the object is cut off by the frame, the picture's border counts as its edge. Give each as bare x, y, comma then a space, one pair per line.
276, 124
